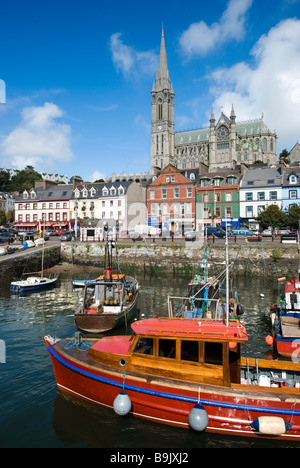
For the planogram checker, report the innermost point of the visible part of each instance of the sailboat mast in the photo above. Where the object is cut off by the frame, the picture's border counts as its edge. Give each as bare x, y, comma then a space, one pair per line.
227, 279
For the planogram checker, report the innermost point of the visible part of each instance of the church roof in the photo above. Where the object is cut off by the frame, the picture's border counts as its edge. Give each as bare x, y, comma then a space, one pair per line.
243, 129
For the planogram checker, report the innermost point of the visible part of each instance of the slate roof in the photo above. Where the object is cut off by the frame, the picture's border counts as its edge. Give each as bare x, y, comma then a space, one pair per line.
261, 177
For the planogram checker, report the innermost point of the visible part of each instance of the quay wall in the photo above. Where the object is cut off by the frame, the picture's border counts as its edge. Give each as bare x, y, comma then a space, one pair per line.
13, 266
249, 258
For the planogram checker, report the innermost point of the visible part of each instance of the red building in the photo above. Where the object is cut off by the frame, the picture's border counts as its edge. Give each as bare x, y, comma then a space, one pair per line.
171, 200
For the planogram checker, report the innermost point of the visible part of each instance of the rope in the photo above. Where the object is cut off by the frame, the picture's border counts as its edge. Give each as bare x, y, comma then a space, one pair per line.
76, 342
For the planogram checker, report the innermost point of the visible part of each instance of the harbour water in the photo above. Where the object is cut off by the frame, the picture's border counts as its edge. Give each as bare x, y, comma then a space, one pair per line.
35, 415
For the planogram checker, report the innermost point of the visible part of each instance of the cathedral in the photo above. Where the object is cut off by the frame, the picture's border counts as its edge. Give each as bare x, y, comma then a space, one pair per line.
225, 143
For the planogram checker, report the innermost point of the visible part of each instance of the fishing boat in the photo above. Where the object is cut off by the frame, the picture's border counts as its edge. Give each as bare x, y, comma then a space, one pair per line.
206, 295
285, 317
187, 373
109, 301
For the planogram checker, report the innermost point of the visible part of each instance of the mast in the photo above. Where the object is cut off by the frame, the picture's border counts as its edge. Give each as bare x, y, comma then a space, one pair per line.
227, 278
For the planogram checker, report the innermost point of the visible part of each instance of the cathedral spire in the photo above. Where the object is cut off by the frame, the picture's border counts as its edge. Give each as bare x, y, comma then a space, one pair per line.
162, 76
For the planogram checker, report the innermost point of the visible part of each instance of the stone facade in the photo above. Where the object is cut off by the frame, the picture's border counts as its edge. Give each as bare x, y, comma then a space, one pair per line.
225, 143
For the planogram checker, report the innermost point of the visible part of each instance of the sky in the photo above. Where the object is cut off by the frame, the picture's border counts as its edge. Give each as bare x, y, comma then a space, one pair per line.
76, 76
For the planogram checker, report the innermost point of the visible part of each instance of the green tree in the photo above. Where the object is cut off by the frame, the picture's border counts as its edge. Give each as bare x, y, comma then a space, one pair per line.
285, 155
272, 216
5, 183
293, 214
2, 218
25, 179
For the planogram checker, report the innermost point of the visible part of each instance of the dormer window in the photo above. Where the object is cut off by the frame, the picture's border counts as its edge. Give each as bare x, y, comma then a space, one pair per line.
32, 194
217, 181
231, 180
204, 182
93, 191
84, 193
104, 191
121, 190
292, 179
25, 194
76, 193
113, 191
192, 176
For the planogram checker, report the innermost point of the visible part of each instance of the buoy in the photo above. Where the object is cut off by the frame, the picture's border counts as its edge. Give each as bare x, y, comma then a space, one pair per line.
272, 425
269, 340
198, 418
122, 403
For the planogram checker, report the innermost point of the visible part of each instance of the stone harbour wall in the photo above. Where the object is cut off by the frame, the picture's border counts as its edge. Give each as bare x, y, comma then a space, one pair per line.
171, 259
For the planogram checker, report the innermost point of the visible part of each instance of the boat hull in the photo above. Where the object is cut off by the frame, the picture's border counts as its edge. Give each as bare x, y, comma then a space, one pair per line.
230, 411
19, 287
99, 323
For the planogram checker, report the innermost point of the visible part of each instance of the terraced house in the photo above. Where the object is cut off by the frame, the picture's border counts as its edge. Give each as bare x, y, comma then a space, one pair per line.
217, 198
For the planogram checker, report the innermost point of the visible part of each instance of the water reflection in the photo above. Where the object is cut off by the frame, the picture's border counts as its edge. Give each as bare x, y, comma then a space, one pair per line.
34, 414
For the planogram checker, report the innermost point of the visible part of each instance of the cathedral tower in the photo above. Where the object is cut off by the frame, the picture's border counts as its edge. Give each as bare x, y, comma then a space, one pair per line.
163, 132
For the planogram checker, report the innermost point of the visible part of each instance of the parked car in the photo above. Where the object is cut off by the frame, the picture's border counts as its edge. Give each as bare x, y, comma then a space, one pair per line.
214, 232
28, 235
6, 238
282, 231
242, 232
67, 236
190, 235
267, 233
51, 232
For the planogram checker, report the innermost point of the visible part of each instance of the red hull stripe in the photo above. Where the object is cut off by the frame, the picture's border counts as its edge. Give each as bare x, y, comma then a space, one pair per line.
172, 396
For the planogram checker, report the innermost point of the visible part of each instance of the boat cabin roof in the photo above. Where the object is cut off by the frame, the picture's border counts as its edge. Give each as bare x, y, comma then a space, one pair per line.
192, 328
292, 286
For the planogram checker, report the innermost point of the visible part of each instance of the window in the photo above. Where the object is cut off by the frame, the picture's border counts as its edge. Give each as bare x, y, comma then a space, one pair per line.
144, 346
292, 179
205, 198
228, 212
273, 196
65, 204
20, 206
217, 212
167, 178
163, 193
249, 211
176, 193
249, 196
153, 209
189, 351
228, 196
261, 196
213, 353
205, 213
293, 194
57, 216
217, 197
167, 348
189, 192
152, 195
43, 206
172, 178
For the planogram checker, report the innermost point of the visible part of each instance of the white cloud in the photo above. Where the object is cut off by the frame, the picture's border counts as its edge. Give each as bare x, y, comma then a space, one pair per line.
39, 140
200, 38
97, 175
129, 61
271, 86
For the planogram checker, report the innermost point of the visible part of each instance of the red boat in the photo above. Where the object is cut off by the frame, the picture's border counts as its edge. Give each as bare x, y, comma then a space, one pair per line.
285, 316
183, 372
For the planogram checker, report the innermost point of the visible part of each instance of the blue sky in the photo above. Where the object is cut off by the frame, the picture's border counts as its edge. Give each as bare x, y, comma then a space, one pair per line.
78, 76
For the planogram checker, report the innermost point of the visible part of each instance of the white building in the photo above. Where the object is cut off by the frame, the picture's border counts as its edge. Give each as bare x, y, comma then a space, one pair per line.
260, 188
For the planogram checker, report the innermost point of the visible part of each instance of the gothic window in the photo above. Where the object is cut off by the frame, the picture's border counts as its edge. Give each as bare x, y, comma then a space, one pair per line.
222, 133
162, 143
272, 145
264, 144
159, 109
156, 144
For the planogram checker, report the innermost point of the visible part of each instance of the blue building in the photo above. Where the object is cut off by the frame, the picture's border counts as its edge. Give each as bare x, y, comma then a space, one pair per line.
290, 187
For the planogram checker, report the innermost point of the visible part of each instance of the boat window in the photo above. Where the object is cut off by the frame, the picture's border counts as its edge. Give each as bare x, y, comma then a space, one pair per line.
167, 348
189, 350
213, 353
144, 346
